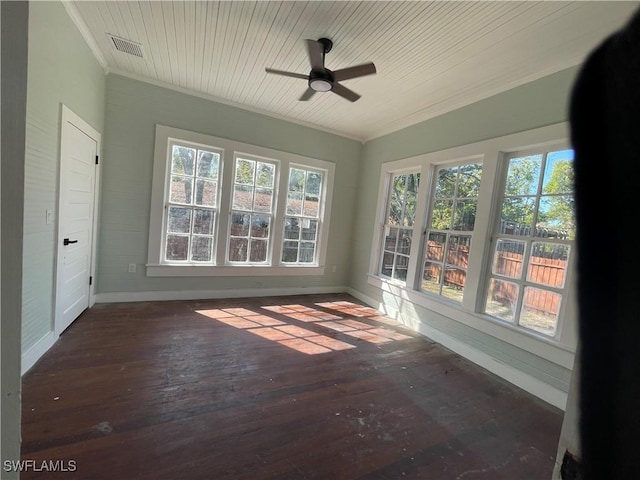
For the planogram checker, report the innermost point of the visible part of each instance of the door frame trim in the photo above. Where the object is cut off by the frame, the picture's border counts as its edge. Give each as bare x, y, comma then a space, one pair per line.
68, 116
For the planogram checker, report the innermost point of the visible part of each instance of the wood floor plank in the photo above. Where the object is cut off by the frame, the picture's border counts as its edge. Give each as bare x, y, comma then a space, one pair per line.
301, 387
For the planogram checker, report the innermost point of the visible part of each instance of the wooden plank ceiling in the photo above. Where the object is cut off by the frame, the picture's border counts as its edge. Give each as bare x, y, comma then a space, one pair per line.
431, 57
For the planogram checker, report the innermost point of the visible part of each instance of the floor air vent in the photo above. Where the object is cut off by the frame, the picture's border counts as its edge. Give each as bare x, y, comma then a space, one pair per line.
126, 46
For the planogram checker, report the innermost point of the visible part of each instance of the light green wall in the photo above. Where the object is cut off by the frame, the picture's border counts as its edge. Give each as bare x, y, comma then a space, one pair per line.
536, 104
61, 70
133, 109
13, 59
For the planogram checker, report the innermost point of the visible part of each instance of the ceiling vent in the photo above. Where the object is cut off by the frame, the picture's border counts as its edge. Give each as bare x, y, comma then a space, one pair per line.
126, 46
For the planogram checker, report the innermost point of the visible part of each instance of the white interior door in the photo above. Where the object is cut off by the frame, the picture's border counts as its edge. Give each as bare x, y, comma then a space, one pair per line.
78, 150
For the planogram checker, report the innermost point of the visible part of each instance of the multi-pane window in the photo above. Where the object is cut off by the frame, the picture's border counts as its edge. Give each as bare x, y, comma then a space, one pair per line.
190, 216
450, 228
301, 223
533, 241
251, 211
220, 207
399, 223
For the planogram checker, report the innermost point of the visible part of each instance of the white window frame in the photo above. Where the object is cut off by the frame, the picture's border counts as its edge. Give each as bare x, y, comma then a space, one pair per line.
387, 205
320, 219
528, 239
490, 153
274, 203
448, 233
216, 209
157, 267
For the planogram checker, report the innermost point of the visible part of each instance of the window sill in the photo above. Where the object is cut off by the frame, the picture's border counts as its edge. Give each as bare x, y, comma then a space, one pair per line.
231, 271
544, 347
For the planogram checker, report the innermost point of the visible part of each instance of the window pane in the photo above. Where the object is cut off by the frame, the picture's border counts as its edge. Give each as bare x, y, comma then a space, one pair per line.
182, 160
245, 171
446, 182
242, 197
309, 229
556, 217
404, 243
296, 180
179, 220
201, 249
435, 246
292, 228
558, 173
311, 206
517, 215
387, 264
262, 200
266, 173
458, 250
258, 250
294, 203
469, 177
203, 222
240, 225
400, 270
260, 226
441, 216
507, 258
397, 200
391, 239
431, 277
548, 264
454, 281
465, 215
398, 187
208, 164
540, 310
307, 251
395, 212
206, 191
501, 299
177, 247
181, 189
238, 249
410, 199
314, 183
523, 175
290, 252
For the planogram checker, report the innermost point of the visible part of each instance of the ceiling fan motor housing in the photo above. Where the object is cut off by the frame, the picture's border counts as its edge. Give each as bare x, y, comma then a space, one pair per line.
321, 81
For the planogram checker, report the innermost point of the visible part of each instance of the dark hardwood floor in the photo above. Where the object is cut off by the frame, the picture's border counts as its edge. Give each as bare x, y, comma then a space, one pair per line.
304, 387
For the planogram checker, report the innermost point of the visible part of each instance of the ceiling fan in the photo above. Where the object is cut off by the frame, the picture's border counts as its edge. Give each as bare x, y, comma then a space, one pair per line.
320, 78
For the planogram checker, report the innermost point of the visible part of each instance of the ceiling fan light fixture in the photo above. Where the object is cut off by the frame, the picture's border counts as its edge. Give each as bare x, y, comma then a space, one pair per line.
320, 78
320, 84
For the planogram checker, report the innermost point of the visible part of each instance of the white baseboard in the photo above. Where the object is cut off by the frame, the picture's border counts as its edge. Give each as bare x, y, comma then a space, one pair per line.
116, 297
530, 384
31, 356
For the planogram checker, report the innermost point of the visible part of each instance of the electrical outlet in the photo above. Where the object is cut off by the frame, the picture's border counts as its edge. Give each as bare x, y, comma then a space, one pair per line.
333, 268
132, 268
49, 217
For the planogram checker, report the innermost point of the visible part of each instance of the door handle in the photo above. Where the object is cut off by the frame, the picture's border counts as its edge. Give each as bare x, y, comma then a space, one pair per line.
67, 241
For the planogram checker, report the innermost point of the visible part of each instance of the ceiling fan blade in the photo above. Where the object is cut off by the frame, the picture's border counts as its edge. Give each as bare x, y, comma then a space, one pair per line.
354, 72
287, 74
307, 94
315, 50
344, 92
